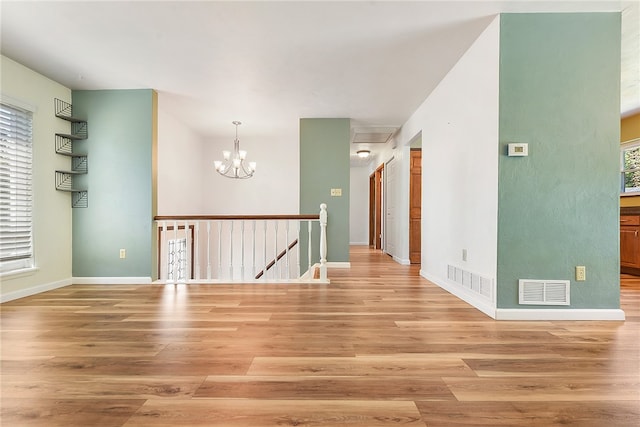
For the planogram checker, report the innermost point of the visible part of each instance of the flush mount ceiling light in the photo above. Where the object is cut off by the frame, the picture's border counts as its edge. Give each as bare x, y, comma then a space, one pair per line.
363, 154
234, 164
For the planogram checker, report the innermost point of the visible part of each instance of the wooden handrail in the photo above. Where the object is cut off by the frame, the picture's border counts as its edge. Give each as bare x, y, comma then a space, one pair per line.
280, 255
233, 217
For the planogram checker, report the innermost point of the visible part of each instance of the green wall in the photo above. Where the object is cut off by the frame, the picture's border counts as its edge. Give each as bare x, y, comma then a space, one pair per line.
558, 207
120, 212
324, 164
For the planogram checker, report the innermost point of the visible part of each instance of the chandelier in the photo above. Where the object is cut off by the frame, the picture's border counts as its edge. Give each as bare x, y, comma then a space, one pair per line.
234, 164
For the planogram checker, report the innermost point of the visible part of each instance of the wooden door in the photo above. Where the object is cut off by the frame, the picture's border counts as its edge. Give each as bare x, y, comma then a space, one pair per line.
628, 246
375, 208
372, 209
415, 207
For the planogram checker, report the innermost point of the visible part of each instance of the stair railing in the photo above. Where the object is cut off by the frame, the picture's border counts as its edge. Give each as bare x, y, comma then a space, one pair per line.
242, 248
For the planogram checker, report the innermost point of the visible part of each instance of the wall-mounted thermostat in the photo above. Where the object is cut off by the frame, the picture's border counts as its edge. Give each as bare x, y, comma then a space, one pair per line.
518, 149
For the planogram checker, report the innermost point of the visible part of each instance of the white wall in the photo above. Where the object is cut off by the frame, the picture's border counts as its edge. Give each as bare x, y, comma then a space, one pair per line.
459, 124
51, 209
359, 206
274, 188
400, 154
189, 185
181, 166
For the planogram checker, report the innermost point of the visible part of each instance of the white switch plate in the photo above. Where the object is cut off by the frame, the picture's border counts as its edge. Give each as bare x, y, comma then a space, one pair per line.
518, 149
123, 253
581, 273
336, 192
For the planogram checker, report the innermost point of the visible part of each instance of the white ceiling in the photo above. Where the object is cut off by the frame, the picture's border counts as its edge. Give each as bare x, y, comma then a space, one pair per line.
267, 63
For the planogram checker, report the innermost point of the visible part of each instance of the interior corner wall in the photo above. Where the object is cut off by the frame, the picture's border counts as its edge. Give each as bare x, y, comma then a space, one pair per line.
119, 182
273, 189
51, 209
181, 166
324, 164
459, 125
558, 207
359, 205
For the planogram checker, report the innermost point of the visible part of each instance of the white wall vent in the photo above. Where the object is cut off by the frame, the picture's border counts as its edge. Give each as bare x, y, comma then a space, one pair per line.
544, 292
471, 281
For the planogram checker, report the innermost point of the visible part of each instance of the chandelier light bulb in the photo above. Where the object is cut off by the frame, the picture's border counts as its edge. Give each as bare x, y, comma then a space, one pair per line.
234, 165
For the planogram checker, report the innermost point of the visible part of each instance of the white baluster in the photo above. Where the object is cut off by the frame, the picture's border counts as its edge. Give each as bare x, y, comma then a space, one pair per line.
187, 260
253, 259
323, 241
298, 249
231, 252
276, 266
286, 248
264, 251
242, 250
196, 250
219, 250
163, 265
310, 226
175, 258
208, 249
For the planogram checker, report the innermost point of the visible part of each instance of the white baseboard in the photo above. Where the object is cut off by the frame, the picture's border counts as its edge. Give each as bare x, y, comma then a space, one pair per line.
474, 299
338, 264
112, 280
559, 314
10, 296
401, 261
525, 313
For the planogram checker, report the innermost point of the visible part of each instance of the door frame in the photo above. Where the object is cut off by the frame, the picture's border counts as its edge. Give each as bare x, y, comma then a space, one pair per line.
415, 207
375, 208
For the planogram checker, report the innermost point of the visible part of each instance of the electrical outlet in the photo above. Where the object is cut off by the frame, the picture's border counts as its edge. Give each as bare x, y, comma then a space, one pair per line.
464, 254
336, 192
581, 273
123, 253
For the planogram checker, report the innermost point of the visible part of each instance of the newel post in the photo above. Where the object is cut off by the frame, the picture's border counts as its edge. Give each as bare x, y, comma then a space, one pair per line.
323, 241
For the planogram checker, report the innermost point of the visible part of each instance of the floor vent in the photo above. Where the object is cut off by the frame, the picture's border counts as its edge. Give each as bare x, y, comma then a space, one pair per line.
544, 292
471, 281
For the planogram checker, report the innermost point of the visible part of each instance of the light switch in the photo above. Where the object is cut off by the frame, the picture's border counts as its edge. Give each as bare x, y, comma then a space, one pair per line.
336, 192
518, 149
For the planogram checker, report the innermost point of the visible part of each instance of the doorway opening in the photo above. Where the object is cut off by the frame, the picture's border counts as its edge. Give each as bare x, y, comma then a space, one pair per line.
375, 208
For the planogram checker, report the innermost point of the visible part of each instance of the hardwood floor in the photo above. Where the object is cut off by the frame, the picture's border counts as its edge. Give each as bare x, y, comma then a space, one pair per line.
379, 346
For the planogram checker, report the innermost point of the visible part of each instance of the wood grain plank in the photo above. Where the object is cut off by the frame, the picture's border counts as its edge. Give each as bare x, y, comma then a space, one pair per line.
275, 413
55, 412
530, 414
324, 388
397, 365
536, 389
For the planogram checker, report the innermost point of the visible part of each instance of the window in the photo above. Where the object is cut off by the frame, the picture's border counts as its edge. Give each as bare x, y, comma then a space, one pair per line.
630, 166
177, 262
16, 248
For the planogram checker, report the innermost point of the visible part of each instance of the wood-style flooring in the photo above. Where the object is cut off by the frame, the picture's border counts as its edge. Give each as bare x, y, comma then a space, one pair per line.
379, 346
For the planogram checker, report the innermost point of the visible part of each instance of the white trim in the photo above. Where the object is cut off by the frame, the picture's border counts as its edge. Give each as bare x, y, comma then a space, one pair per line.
10, 100
472, 298
401, 261
302, 280
15, 274
338, 264
631, 143
559, 314
112, 280
10, 296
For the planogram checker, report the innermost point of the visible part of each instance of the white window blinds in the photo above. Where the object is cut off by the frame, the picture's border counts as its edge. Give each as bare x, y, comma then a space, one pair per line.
16, 201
